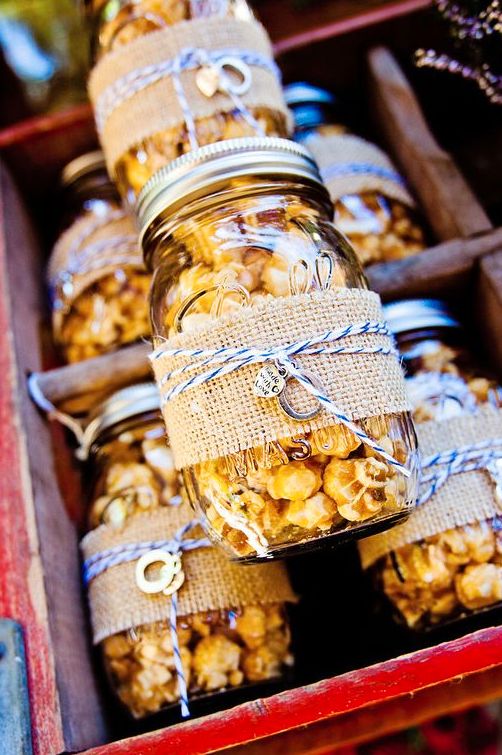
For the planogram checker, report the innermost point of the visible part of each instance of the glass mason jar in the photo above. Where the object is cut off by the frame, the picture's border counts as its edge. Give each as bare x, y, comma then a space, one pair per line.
117, 23
253, 224
379, 227
246, 644
96, 276
459, 571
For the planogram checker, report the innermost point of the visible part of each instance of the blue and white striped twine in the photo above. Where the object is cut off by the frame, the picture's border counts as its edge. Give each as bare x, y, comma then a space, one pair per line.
354, 168
122, 554
188, 59
476, 456
231, 359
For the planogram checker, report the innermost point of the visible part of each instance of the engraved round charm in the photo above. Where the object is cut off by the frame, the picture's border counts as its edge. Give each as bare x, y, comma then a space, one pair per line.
170, 578
269, 382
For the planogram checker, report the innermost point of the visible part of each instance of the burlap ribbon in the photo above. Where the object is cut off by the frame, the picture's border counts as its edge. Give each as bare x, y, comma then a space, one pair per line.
465, 497
212, 582
225, 416
128, 112
351, 165
88, 251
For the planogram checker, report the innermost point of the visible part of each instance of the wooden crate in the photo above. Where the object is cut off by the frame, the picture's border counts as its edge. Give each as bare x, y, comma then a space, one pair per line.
375, 677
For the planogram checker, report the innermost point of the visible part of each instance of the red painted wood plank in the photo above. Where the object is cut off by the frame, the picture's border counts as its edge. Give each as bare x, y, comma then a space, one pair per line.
317, 702
32, 128
364, 19
21, 587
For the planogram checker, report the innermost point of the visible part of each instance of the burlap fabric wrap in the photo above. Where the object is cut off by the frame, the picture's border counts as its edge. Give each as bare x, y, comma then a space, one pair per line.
340, 150
465, 498
157, 108
88, 251
224, 416
211, 583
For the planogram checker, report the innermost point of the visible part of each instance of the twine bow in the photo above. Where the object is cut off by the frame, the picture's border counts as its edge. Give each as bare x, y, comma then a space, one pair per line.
147, 553
226, 360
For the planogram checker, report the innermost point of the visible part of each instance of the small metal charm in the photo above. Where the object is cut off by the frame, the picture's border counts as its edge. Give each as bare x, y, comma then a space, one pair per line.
289, 410
269, 382
229, 75
207, 79
171, 575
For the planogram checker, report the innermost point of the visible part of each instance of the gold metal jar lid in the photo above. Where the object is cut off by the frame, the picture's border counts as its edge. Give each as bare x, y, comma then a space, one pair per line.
204, 171
418, 314
127, 403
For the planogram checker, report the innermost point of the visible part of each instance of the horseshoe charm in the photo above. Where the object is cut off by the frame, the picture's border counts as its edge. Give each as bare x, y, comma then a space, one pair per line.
284, 403
171, 575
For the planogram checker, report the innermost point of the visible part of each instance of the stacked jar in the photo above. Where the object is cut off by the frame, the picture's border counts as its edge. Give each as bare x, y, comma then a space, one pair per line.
373, 206
96, 277
231, 627
247, 266
446, 562
172, 76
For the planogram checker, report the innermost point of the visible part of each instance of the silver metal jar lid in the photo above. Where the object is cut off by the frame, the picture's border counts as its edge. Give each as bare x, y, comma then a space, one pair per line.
82, 166
127, 403
416, 314
203, 171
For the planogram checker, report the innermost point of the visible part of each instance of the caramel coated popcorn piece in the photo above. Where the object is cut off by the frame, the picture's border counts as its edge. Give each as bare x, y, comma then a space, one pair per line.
317, 512
215, 657
357, 486
294, 481
261, 664
479, 585
252, 626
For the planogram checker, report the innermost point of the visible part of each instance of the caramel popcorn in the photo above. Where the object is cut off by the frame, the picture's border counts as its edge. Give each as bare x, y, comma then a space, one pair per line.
112, 312
249, 504
132, 20
455, 571
219, 649
379, 229
448, 383
257, 246
445, 575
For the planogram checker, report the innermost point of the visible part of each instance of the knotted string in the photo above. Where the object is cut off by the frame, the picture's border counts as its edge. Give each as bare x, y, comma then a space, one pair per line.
191, 58
123, 554
475, 456
226, 360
